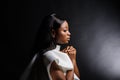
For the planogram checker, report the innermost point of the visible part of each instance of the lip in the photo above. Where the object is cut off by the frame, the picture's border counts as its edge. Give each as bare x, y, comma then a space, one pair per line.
68, 38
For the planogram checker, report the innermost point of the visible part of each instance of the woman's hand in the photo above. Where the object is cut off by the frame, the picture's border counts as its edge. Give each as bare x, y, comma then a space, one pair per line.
71, 51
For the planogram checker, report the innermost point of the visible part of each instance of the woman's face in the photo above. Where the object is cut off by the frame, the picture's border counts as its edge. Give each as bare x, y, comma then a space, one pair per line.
63, 34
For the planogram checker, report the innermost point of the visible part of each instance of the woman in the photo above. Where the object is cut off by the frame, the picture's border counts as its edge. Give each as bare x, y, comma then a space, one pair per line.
56, 64
61, 65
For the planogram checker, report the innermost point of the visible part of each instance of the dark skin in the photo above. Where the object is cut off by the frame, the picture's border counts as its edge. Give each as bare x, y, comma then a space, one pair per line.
62, 36
71, 52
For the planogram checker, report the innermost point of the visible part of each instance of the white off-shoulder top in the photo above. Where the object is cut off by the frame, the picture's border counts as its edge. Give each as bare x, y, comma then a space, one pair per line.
61, 59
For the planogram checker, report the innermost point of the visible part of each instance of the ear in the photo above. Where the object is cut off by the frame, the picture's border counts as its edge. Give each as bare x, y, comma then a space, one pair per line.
53, 33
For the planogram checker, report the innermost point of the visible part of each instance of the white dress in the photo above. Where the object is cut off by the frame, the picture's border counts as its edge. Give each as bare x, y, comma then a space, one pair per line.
61, 59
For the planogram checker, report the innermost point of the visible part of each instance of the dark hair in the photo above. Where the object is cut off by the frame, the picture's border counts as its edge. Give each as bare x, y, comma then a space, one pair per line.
44, 40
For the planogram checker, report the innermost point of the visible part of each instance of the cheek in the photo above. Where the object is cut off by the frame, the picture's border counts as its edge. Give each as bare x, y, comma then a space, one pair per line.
62, 37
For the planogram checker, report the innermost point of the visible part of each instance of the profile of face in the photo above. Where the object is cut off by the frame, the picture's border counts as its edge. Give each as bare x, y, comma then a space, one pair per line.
62, 35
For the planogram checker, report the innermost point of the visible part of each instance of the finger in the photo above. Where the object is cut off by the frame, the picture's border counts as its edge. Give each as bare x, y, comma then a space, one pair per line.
68, 47
66, 51
71, 47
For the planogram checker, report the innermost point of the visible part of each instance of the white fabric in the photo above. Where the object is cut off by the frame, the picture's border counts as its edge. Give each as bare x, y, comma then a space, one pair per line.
61, 59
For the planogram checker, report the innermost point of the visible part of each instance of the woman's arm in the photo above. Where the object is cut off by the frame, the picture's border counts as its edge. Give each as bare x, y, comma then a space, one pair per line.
71, 51
57, 74
76, 70
70, 75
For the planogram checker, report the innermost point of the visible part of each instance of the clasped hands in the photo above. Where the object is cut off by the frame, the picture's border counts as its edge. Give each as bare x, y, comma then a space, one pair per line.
71, 52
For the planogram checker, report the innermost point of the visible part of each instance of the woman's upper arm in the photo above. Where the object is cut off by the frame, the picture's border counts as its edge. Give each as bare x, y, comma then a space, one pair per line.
56, 73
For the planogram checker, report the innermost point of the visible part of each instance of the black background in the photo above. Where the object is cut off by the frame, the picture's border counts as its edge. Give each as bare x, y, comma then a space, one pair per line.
85, 18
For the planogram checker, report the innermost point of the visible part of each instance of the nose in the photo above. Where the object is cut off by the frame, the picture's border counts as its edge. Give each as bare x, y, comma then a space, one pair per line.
69, 33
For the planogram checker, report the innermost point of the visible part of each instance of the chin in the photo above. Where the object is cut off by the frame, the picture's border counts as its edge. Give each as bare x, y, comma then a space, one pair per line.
66, 42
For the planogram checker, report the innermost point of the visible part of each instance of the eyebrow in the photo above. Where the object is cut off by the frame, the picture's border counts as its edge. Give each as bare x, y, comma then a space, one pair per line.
66, 26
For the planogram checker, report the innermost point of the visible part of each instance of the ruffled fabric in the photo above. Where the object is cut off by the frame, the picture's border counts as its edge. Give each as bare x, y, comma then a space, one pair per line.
61, 59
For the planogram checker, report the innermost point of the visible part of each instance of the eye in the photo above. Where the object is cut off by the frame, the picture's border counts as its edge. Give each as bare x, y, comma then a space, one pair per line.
65, 30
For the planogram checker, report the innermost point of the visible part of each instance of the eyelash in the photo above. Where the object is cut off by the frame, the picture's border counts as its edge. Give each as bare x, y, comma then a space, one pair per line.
65, 30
